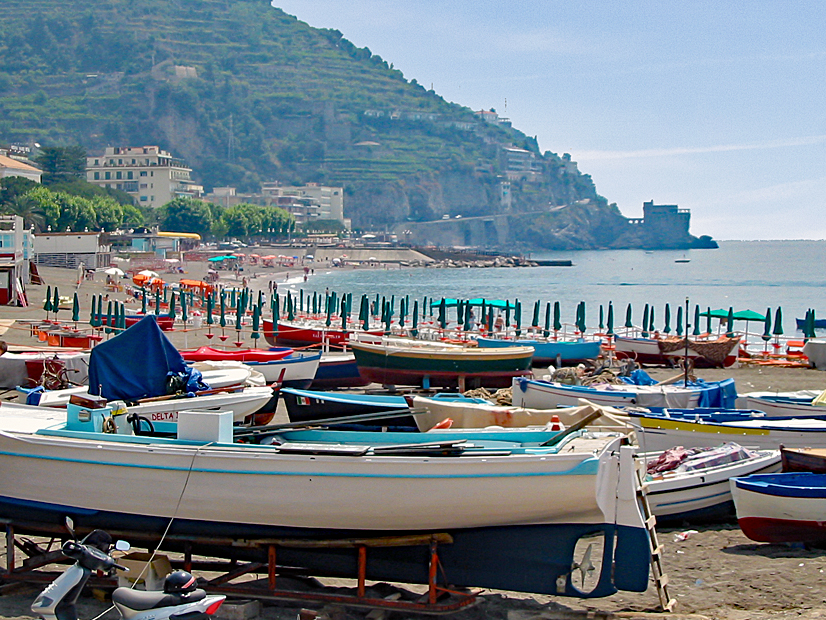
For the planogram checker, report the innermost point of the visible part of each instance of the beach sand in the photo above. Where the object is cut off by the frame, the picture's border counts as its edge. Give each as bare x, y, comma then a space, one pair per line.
716, 572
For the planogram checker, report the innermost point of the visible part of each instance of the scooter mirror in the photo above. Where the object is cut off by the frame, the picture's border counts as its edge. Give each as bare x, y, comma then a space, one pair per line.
122, 545
70, 525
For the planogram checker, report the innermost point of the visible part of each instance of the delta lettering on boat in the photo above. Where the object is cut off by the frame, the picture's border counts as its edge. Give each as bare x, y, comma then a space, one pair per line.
165, 416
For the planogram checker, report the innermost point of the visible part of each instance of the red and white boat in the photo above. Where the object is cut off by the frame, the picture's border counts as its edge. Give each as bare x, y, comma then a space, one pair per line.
307, 333
719, 353
207, 354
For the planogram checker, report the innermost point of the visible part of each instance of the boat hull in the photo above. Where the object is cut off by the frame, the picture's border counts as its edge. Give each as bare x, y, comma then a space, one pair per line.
309, 406
444, 368
297, 335
338, 370
569, 353
299, 369
652, 352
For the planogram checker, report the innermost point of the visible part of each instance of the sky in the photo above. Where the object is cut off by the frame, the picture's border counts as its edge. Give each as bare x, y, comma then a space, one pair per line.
719, 107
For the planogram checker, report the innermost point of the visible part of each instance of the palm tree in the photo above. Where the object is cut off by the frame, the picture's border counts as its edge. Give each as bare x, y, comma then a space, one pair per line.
27, 208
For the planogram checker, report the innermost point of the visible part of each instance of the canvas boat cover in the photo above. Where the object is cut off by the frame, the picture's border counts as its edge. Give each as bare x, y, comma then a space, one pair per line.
134, 364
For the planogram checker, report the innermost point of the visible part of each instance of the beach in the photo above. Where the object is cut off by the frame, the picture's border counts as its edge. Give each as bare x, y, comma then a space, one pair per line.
715, 572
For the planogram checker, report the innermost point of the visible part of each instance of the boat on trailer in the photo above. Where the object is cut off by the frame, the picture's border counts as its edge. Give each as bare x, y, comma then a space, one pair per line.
520, 509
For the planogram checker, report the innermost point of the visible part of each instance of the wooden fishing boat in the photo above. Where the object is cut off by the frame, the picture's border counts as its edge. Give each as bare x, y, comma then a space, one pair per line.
207, 354
659, 430
469, 413
531, 504
781, 508
299, 369
338, 369
699, 489
312, 405
802, 403
309, 333
803, 459
547, 351
399, 362
548, 394
667, 351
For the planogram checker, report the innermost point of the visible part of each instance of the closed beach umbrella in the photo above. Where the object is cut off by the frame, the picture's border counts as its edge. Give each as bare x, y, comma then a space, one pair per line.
256, 318
610, 320
143, 301
547, 330
557, 317
47, 303
467, 316
628, 322
210, 304
402, 311
343, 314
651, 322
535, 319
679, 320
388, 316
708, 320
767, 326
172, 305
581, 324
329, 320
223, 318
184, 315
92, 313
116, 317
601, 318
667, 327
645, 322
484, 312
415, 330
696, 330
56, 302
507, 314
109, 318
157, 301
730, 323
75, 309
460, 312
276, 313
366, 319
442, 314
239, 314
291, 307
490, 318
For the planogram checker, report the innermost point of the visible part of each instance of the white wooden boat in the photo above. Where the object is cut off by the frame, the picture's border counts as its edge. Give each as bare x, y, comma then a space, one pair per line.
462, 414
549, 395
494, 500
781, 508
299, 369
799, 404
703, 490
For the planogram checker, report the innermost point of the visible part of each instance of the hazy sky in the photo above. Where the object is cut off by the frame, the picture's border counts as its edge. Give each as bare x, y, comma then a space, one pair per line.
719, 107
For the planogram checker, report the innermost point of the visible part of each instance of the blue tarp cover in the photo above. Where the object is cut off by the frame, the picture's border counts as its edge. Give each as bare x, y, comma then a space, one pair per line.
134, 364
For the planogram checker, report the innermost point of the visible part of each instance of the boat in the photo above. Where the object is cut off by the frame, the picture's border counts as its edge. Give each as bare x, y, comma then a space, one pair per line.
469, 413
696, 484
781, 508
309, 333
338, 369
165, 321
803, 459
397, 361
668, 351
802, 403
27, 368
659, 430
208, 354
535, 506
314, 405
537, 394
548, 351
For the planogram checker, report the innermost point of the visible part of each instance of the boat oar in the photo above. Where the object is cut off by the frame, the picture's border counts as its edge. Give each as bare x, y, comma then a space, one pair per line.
579, 424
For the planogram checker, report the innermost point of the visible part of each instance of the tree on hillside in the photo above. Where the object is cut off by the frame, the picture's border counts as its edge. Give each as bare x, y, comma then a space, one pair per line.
185, 215
61, 163
12, 187
29, 209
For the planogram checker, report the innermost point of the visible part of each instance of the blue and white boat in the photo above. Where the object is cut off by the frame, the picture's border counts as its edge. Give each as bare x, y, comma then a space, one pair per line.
299, 369
514, 511
547, 352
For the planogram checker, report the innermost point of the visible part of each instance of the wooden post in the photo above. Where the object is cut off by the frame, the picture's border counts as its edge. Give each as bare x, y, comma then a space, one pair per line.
362, 568
431, 578
271, 566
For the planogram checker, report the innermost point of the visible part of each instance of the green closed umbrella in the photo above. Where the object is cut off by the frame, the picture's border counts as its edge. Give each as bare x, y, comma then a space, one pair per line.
223, 319
581, 323
651, 321
696, 330
343, 313
184, 316
517, 318
507, 315
388, 316
645, 322
402, 311
415, 330
535, 319
47, 303
601, 318
56, 302
75, 309
315, 303
490, 318
256, 319
143, 301
442, 314
679, 320
484, 312
210, 304
122, 316
291, 307
610, 320
547, 330
109, 318
157, 301
730, 323
460, 313
628, 322
239, 315
667, 327
767, 326
708, 320
276, 312
466, 324
172, 305
92, 313
557, 317
366, 318
329, 319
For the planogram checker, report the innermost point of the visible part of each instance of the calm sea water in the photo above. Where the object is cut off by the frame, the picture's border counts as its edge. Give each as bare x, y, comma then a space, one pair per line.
741, 274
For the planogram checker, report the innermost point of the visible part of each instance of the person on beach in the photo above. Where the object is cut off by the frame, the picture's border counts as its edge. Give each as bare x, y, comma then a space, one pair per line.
471, 320
498, 323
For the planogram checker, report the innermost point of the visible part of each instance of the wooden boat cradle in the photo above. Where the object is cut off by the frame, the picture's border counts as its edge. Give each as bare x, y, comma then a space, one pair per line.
438, 600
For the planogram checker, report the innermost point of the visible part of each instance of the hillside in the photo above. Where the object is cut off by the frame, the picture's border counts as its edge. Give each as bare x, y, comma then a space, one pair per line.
245, 93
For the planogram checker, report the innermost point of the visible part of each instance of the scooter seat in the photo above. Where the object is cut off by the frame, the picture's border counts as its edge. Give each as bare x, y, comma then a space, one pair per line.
140, 600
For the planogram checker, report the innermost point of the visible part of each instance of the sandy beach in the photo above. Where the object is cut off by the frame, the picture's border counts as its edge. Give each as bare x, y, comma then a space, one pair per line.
716, 572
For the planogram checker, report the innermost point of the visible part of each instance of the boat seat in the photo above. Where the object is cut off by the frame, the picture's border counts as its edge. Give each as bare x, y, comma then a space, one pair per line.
140, 600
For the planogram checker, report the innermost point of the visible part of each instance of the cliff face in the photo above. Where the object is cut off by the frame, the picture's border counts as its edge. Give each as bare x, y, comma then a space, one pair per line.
246, 93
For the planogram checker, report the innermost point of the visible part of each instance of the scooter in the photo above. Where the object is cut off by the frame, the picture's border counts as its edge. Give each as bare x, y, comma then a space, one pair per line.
180, 599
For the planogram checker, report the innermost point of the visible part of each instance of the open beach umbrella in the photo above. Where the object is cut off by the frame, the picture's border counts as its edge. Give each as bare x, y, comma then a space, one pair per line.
256, 319
730, 323
75, 309
645, 322
628, 322
679, 320
557, 317
610, 320
415, 330
767, 326
667, 327
535, 319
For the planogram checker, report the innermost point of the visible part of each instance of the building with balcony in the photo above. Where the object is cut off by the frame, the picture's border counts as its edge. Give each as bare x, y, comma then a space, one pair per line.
147, 173
15, 254
330, 200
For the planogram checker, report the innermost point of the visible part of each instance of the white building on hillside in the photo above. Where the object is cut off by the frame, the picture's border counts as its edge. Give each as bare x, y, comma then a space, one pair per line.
10, 167
330, 200
152, 176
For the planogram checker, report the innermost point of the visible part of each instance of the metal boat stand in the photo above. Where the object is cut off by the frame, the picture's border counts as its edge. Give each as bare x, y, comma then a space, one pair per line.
437, 600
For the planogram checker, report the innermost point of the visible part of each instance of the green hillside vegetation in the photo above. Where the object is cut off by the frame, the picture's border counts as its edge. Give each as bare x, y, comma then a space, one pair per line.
245, 93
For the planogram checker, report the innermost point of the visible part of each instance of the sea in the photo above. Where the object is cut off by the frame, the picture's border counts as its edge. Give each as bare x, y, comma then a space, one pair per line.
753, 275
